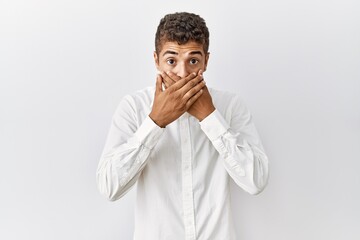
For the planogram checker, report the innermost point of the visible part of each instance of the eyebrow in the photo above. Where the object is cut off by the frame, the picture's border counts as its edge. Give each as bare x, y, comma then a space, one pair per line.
170, 52
196, 52
175, 53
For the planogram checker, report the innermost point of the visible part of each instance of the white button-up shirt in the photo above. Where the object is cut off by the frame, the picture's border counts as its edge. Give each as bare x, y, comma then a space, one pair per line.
182, 171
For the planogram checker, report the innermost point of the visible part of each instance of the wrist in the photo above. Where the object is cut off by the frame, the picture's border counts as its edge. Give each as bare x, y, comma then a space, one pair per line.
206, 113
156, 120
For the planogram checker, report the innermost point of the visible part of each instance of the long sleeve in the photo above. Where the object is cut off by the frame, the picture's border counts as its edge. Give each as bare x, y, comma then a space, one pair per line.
239, 146
127, 149
182, 173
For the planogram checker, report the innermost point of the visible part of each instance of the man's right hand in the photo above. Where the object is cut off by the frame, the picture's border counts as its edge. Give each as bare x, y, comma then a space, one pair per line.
171, 103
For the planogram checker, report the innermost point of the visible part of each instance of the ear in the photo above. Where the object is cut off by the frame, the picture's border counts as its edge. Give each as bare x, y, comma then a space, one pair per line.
206, 60
156, 59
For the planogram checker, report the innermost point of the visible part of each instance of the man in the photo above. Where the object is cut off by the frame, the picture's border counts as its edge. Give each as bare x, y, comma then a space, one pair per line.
182, 142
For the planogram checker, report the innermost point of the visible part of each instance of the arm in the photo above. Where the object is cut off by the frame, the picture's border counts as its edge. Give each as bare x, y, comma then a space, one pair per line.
237, 142
239, 146
126, 151
129, 142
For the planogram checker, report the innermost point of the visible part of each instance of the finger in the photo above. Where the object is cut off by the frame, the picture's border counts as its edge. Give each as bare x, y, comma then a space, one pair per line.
167, 79
198, 87
193, 99
173, 76
191, 84
158, 88
179, 84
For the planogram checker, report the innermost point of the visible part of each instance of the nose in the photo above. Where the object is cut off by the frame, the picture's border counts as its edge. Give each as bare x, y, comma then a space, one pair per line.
182, 70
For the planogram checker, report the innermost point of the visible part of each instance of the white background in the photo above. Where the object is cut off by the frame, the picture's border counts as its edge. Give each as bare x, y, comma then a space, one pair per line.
65, 65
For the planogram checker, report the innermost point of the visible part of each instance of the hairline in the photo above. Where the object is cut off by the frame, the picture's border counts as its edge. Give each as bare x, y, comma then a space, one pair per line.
164, 40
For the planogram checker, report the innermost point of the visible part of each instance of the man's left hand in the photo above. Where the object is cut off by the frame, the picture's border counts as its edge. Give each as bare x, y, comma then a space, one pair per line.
203, 105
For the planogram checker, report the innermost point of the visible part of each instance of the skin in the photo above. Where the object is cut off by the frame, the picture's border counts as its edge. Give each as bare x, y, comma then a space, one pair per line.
181, 68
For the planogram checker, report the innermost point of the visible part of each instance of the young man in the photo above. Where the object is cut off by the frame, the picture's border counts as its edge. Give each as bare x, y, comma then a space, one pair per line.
182, 143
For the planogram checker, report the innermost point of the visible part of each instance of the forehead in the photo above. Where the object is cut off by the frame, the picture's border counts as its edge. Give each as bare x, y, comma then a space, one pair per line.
182, 49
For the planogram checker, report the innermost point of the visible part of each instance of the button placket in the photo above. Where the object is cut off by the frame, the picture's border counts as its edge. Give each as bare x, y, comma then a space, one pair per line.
187, 184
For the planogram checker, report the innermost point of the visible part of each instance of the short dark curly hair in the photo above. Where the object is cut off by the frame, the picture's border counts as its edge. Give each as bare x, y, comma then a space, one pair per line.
182, 27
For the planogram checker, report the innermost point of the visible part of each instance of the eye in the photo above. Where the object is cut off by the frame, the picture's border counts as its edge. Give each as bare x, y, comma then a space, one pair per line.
193, 61
170, 61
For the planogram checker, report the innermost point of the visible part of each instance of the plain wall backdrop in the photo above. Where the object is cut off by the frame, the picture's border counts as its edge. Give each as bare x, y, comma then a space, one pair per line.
65, 65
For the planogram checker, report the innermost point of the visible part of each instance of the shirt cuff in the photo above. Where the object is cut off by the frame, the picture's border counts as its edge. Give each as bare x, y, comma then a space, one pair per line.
214, 125
149, 133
